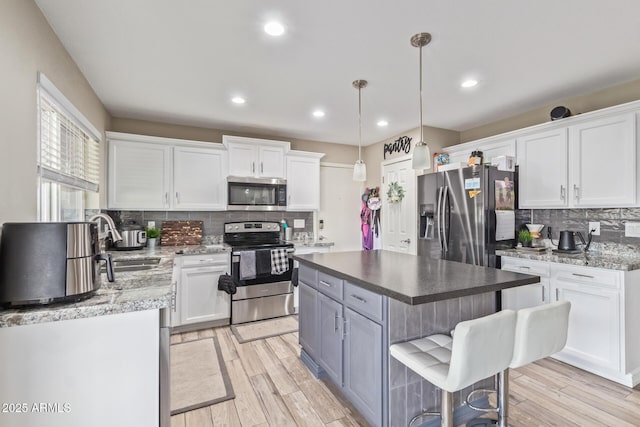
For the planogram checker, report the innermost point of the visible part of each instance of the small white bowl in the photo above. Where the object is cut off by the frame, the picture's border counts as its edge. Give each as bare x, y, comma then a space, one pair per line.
535, 228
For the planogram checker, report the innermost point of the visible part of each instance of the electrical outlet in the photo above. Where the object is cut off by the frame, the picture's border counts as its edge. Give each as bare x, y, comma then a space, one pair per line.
594, 226
632, 229
298, 223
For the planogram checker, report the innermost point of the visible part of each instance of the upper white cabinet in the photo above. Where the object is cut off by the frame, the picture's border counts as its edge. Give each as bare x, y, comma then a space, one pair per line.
139, 175
199, 178
150, 173
603, 162
303, 181
542, 158
260, 158
589, 164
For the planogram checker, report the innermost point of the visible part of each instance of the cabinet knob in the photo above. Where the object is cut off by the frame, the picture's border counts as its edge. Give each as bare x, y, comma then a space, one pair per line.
261, 167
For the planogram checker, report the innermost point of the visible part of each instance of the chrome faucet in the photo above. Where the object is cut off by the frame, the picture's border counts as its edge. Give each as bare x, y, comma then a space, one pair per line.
111, 228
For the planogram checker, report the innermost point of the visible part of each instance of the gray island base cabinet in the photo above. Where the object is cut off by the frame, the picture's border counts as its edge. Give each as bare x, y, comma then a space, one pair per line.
354, 305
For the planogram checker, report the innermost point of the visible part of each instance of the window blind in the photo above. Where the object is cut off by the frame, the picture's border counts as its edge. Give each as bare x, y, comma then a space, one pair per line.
68, 154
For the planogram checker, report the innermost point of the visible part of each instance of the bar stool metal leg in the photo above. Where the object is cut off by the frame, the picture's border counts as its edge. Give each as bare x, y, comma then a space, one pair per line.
446, 409
503, 399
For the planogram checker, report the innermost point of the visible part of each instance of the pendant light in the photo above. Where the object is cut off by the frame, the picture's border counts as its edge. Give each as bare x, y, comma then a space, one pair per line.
359, 169
421, 158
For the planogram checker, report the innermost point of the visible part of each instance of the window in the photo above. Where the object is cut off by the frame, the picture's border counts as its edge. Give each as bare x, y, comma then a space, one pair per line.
68, 158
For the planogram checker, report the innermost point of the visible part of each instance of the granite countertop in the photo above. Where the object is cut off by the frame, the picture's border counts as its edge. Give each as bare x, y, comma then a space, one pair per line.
131, 291
615, 260
412, 279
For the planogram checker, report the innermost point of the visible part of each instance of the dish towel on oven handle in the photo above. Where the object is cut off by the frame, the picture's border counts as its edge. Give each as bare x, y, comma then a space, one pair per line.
247, 265
279, 261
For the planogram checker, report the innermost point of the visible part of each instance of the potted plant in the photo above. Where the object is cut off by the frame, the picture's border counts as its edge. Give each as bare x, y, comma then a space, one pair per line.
525, 238
152, 237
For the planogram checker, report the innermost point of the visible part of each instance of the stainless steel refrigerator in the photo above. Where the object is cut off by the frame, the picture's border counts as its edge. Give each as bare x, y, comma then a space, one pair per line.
466, 214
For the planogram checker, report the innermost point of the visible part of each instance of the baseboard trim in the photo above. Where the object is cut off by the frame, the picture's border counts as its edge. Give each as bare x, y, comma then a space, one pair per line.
311, 364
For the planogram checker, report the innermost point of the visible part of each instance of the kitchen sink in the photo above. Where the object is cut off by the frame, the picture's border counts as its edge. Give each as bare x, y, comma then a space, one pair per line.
133, 264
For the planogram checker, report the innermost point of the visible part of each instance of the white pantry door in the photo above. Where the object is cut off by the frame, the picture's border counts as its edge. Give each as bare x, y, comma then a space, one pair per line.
399, 219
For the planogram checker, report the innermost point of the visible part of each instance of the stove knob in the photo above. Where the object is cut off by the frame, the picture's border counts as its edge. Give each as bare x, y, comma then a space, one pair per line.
235, 227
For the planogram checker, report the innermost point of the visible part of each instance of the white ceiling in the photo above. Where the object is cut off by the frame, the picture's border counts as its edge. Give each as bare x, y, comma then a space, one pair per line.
181, 61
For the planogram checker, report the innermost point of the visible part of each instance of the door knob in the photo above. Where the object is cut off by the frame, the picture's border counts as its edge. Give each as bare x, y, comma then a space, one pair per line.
407, 241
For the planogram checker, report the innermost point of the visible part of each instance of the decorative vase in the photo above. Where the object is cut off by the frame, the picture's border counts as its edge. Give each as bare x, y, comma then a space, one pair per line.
151, 242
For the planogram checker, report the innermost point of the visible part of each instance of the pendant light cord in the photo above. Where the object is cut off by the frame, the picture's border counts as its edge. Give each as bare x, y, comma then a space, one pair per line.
359, 124
421, 127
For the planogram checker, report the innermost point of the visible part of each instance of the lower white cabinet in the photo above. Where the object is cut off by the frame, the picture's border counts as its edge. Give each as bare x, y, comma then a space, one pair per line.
198, 299
594, 320
529, 295
604, 311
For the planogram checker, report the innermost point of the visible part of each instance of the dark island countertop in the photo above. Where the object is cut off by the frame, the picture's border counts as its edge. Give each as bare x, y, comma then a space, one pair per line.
412, 279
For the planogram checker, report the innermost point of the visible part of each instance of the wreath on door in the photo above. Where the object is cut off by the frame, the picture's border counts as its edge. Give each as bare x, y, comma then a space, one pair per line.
395, 193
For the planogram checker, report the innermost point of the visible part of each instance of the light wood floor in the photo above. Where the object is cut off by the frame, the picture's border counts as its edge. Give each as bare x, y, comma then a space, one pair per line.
273, 388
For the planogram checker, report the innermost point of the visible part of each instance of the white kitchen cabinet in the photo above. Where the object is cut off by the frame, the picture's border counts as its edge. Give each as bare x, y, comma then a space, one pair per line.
198, 299
259, 158
152, 173
529, 295
139, 175
543, 174
603, 317
589, 164
602, 162
303, 181
199, 178
84, 365
593, 340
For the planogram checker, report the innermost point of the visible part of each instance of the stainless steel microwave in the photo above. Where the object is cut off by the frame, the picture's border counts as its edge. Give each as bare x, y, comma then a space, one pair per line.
256, 194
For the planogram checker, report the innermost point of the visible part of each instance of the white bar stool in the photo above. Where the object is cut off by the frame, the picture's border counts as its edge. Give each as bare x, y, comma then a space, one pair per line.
455, 363
540, 332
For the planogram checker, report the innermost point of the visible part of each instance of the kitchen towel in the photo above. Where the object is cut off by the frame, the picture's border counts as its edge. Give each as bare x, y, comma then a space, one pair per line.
247, 265
279, 261
263, 262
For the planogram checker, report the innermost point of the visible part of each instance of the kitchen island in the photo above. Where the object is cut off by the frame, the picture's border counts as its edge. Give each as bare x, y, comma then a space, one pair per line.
354, 305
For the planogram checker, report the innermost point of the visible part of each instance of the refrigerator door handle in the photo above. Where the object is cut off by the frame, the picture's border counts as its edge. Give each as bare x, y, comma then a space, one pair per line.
439, 219
445, 195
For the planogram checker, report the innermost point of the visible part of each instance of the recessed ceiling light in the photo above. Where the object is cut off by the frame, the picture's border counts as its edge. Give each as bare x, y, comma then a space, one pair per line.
383, 123
469, 83
318, 113
238, 100
274, 28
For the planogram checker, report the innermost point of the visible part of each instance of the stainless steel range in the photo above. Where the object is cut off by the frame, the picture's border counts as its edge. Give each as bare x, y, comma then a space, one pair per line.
261, 266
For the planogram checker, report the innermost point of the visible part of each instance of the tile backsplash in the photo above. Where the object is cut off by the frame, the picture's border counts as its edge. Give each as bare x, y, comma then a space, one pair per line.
213, 222
611, 220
